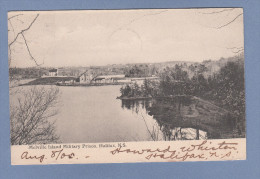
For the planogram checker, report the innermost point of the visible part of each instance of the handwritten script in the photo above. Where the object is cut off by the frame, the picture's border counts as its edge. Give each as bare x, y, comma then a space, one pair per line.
55, 154
203, 150
206, 150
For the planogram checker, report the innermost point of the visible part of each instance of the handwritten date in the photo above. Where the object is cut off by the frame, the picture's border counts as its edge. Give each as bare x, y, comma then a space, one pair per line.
57, 155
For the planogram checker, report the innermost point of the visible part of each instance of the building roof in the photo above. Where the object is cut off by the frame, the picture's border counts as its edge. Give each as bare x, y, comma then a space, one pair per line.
112, 76
99, 78
53, 70
87, 71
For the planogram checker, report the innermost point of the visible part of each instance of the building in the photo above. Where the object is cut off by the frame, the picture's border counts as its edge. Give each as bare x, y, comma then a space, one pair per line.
99, 80
90, 77
112, 76
108, 78
62, 72
85, 77
53, 72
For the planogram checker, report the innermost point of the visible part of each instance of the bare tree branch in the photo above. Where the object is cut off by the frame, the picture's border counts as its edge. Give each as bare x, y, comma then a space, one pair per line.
233, 49
238, 51
28, 49
217, 12
152, 136
11, 26
30, 122
236, 48
24, 38
14, 16
234, 19
24, 30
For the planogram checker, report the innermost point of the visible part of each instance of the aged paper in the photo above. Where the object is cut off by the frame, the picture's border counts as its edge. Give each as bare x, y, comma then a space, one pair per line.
115, 86
211, 150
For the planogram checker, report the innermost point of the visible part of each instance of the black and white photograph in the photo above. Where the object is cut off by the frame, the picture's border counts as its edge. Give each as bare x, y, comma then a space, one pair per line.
134, 75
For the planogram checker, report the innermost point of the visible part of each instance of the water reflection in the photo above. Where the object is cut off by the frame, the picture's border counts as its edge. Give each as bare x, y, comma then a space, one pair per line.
182, 118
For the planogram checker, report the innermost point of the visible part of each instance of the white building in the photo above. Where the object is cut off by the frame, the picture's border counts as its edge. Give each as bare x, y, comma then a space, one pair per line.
85, 77
53, 72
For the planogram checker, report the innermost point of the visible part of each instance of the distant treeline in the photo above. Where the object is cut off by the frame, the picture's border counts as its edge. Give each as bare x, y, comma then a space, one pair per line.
207, 68
142, 70
25, 73
224, 88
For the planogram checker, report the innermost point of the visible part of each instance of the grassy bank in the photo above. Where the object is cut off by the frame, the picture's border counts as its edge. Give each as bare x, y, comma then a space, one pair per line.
49, 80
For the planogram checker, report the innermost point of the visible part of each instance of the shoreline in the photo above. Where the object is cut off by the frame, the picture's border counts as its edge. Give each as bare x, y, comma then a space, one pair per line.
76, 85
70, 81
157, 97
90, 84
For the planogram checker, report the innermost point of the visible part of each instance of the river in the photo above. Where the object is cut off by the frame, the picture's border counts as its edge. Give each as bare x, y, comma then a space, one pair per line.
93, 114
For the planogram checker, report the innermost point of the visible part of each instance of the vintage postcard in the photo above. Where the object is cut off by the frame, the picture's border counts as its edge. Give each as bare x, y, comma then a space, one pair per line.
116, 86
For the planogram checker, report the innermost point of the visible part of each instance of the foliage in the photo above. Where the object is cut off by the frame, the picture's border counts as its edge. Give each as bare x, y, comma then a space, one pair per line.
149, 88
228, 88
224, 88
141, 71
25, 73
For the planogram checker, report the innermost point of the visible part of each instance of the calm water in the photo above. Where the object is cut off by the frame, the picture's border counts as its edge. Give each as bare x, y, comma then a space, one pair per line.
93, 114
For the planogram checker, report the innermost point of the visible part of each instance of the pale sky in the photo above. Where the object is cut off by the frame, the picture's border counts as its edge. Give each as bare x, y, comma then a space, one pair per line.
101, 37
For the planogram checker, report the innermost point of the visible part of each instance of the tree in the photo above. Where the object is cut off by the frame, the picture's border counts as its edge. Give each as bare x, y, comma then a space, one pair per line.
30, 114
231, 87
125, 91
174, 81
178, 74
136, 90
146, 88
30, 117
